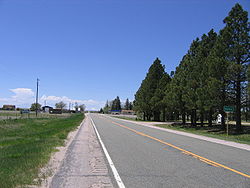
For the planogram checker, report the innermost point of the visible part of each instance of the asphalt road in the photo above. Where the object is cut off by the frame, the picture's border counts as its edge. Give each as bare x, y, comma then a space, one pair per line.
146, 157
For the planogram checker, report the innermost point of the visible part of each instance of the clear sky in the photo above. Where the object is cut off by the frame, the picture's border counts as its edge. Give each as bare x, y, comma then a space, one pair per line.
93, 50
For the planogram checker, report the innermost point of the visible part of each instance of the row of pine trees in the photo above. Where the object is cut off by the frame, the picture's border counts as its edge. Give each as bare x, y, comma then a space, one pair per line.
214, 73
116, 105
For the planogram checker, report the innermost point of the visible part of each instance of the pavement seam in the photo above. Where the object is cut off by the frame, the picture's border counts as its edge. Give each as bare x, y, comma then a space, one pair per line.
111, 164
82, 164
81, 176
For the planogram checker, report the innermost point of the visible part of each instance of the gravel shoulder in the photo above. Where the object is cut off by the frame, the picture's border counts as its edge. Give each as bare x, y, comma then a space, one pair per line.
81, 163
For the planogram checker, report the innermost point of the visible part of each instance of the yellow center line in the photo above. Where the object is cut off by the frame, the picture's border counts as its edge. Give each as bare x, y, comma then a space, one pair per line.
203, 159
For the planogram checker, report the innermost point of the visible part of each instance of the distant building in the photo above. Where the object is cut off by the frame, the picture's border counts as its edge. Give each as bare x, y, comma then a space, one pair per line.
115, 112
55, 111
24, 111
47, 109
128, 112
9, 107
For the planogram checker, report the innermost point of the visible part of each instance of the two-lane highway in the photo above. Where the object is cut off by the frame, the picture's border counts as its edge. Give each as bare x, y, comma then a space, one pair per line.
147, 157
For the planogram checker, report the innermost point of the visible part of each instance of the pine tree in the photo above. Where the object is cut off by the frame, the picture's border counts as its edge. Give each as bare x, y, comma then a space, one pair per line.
203, 98
116, 104
218, 79
157, 101
127, 105
101, 111
143, 97
130, 105
236, 36
191, 72
174, 94
107, 107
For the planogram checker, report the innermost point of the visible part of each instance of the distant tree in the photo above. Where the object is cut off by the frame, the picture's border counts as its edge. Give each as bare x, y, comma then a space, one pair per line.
76, 106
130, 106
82, 107
127, 105
107, 107
60, 105
101, 111
33, 106
116, 104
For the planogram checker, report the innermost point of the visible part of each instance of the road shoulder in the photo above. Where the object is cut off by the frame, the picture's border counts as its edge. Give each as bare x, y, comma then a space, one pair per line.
50, 169
83, 163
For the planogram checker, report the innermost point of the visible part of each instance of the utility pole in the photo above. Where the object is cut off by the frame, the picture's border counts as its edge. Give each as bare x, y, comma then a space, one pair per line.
37, 80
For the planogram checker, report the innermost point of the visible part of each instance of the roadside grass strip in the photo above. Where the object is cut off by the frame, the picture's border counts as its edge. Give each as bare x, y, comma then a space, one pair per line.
202, 159
26, 146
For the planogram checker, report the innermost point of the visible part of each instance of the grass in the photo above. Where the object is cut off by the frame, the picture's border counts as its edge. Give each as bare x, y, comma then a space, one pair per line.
26, 146
17, 115
214, 131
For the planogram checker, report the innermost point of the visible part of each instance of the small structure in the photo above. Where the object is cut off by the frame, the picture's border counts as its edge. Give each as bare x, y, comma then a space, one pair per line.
24, 111
128, 112
115, 112
9, 107
219, 119
47, 109
55, 111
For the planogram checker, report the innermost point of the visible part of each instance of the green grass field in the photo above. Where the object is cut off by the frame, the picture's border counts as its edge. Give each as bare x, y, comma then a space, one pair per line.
27, 144
4, 114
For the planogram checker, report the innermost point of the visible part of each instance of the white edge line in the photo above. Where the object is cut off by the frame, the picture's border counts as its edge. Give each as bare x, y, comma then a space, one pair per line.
111, 164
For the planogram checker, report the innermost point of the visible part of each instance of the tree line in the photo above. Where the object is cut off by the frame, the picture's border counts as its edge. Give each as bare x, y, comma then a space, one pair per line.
213, 73
116, 105
60, 105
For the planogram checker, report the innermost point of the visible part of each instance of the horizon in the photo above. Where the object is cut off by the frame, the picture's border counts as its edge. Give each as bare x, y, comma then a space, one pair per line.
92, 51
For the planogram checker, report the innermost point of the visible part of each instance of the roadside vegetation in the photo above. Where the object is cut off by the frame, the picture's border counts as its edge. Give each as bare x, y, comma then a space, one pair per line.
27, 144
214, 73
116, 105
7, 115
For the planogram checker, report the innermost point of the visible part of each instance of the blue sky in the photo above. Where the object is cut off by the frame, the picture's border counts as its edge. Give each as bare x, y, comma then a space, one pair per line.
89, 51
